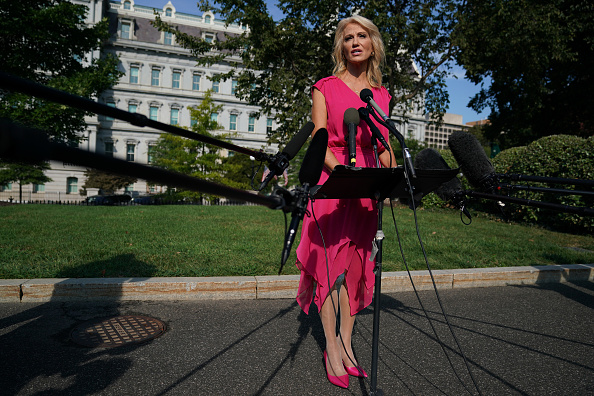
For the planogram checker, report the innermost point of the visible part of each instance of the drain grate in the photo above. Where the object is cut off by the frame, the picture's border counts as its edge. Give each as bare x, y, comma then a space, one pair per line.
117, 331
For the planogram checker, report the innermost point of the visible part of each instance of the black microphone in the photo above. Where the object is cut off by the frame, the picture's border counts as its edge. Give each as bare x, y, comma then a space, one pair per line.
364, 113
309, 174
351, 119
450, 191
280, 161
473, 161
367, 96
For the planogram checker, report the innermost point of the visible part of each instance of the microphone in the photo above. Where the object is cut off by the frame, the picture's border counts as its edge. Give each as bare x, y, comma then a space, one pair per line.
367, 96
450, 191
364, 113
309, 174
280, 161
473, 161
351, 119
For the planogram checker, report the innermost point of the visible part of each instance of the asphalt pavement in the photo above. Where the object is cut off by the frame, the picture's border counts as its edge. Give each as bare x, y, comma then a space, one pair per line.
517, 340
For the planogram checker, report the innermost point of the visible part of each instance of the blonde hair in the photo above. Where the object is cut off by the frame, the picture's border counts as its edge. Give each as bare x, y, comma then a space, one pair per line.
374, 73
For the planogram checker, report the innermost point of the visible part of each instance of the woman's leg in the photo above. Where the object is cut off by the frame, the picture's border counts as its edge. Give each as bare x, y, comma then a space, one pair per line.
333, 348
346, 330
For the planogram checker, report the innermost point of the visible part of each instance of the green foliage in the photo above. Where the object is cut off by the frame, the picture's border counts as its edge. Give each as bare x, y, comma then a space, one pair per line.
23, 173
108, 183
561, 156
540, 58
280, 61
198, 159
47, 41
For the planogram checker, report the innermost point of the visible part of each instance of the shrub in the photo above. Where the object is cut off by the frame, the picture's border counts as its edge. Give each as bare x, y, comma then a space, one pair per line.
561, 156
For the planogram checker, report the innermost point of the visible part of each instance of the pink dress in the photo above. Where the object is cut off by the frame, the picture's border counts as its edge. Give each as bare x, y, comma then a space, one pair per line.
348, 226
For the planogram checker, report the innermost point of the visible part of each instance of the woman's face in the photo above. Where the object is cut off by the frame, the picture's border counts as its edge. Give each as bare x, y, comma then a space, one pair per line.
356, 43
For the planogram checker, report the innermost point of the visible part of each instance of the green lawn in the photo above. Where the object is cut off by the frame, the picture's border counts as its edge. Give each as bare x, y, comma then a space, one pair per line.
51, 241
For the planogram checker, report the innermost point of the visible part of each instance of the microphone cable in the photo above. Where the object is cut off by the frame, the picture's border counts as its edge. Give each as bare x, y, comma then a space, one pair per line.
439, 341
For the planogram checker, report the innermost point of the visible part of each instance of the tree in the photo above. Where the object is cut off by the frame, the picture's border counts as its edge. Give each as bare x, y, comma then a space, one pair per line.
540, 58
194, 158
106, 182
22, 173
278, 62
48, 42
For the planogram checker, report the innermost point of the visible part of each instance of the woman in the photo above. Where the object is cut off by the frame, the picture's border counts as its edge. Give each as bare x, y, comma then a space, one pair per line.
348, 226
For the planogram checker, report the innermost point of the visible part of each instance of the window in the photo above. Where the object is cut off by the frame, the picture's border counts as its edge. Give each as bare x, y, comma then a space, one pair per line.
209, 38
214, 117
6, 187
127, 5
233, 86
196, 82
126, 31
130, 147
215, 86
133, 74
233, 122
38, 188
154, 113
269, 122
167, 38
111, 103
251, 124
174, 116
168, 12
151, 153
129, 188
207, 19
108, 149
155, 76
132, 107
175, 79
71, 185
193, 122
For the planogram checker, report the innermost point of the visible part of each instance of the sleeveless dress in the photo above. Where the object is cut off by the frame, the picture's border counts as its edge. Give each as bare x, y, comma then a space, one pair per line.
348, 226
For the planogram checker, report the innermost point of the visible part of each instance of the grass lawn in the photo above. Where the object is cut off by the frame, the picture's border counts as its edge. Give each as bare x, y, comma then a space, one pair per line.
52, 241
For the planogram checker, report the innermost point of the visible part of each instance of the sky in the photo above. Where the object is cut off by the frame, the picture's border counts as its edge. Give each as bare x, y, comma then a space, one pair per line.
460, 90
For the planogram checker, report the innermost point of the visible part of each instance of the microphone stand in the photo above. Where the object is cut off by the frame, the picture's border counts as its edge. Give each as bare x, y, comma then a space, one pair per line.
377, 246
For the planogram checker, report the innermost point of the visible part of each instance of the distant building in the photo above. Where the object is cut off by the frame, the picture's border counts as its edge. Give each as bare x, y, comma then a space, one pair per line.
437, 137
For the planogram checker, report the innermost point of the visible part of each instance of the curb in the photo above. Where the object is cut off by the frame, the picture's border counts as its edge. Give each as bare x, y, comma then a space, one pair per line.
272, 287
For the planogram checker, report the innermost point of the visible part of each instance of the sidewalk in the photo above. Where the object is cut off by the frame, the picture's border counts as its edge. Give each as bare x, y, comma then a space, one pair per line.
272, 287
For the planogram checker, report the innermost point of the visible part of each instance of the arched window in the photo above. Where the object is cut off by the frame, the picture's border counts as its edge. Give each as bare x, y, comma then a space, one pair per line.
127, 5
168, 12
207, 19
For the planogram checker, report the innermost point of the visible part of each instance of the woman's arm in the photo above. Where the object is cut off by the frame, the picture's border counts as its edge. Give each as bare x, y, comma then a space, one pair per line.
385, 157
319, 116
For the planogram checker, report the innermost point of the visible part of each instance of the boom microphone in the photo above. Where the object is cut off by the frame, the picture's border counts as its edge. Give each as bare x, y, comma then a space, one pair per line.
473, 161
309, 174
280, 161
450, 191
351, 119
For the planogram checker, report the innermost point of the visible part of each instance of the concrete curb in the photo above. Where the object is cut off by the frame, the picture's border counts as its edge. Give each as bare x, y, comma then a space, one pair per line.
268, 287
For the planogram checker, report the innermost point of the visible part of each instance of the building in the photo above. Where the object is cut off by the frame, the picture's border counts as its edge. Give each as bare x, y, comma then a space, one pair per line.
161, 80
437, 137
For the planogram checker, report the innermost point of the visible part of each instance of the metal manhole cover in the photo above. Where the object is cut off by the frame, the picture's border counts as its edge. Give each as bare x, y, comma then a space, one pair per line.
117, 331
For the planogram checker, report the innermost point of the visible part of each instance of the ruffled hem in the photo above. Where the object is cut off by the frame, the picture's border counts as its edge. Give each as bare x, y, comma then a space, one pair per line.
359, 281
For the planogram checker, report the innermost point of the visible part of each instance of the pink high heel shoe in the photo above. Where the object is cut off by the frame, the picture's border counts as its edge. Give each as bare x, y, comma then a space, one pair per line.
355, 371
341, 381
